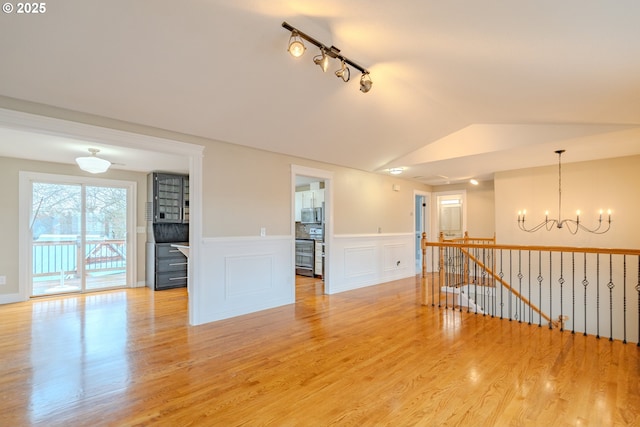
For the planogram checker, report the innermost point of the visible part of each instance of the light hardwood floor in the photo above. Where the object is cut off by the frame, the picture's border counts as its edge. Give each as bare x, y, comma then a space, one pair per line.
369, 357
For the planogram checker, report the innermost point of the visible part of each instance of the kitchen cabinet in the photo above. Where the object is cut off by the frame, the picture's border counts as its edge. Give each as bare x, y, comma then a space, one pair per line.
312, 198
169, 195
166, 267
298, 206
319, 258
168, 223
308, 199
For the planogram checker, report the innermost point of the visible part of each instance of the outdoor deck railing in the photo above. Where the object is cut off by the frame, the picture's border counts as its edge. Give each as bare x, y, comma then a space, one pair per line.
62, 256
594, 291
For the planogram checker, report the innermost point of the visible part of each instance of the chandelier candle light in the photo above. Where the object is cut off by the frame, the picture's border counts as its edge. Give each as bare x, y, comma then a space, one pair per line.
573, 225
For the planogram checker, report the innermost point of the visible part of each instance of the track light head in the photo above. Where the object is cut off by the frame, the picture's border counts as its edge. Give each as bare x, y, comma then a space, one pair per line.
365, 83
296, 46
344, 72
322, 60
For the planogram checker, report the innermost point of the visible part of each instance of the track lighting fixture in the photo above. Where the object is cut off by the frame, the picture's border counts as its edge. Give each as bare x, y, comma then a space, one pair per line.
365, 83
344, 72
296, 48
322, 60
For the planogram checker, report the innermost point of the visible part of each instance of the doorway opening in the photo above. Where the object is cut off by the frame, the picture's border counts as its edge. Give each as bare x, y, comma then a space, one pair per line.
312, 227
80, 234
421, 215
452, 216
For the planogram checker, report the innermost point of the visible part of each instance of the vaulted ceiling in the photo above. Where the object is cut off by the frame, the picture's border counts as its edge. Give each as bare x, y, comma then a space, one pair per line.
461, 89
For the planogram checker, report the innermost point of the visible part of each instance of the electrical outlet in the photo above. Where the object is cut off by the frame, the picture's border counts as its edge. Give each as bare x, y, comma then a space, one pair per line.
3, 280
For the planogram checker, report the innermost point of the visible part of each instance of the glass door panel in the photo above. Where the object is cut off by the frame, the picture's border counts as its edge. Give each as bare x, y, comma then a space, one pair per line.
79, 238
105, 254
56, 229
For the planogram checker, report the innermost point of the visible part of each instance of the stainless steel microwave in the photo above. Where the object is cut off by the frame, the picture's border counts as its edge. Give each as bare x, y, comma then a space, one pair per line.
311, 216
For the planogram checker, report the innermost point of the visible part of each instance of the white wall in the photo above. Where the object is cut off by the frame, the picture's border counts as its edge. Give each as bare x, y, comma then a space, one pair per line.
233, 271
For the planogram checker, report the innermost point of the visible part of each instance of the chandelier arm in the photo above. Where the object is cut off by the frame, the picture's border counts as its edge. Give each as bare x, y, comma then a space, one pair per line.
533, 229
597, 229
577, 224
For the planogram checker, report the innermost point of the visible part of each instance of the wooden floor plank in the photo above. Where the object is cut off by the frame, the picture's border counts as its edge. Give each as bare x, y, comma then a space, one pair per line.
374, 356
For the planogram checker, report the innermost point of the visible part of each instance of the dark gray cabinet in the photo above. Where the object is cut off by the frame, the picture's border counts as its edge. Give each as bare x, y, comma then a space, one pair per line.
170, 198
166, 267
168, 222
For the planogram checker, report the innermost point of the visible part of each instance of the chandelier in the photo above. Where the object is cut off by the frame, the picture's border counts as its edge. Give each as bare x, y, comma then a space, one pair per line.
573, 225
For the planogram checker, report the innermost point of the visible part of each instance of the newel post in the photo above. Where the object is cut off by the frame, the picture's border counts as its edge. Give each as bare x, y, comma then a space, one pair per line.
441, 261
423, 246
465, 264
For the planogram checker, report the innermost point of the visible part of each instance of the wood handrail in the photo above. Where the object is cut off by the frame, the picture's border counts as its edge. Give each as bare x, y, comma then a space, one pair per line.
569, 249
509, 287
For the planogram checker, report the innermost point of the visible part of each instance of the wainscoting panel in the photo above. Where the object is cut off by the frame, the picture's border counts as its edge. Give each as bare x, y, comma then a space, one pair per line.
393, 256
364, 260
247, 275
359, 261
242, 275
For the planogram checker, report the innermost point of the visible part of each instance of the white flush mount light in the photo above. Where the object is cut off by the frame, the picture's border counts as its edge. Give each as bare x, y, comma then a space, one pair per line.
396, 171
92, 163
473, 181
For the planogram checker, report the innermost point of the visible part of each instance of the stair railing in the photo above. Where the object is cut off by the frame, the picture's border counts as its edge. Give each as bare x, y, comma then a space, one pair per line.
587, 290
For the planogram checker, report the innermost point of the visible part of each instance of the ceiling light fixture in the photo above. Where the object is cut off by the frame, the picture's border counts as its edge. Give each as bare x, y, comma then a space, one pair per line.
573, 225
92, 163
473, 181
344, 72
322, 60
296, 45
296, 48
365, 83
396, 171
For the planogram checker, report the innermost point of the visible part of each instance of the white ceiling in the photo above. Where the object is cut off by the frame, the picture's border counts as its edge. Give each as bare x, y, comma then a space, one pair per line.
461, 88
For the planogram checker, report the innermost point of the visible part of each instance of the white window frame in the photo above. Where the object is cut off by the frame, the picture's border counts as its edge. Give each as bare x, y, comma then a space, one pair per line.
25, 190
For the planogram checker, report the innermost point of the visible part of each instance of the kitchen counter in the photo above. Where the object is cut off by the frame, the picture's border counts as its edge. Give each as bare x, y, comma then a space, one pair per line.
182, 247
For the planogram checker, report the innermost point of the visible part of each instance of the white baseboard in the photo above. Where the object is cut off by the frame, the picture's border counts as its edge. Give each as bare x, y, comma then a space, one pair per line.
11, 298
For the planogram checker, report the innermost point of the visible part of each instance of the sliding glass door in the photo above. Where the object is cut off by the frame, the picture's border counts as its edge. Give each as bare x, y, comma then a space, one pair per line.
78, 237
